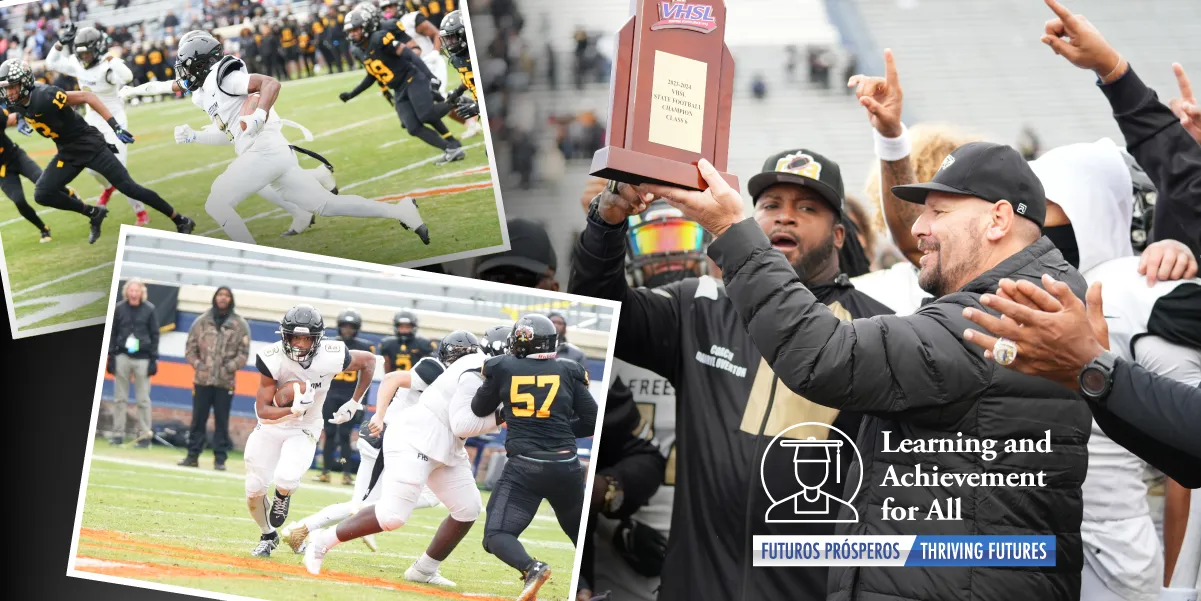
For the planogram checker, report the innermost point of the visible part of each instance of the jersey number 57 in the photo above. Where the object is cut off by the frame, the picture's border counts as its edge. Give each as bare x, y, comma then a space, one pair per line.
527, 399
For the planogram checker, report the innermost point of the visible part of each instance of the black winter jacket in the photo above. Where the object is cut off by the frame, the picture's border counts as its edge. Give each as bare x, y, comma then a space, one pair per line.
141, 322
916, 378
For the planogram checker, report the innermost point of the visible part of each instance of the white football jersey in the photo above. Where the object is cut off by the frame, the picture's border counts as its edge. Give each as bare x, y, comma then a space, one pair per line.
421, 376
103, 79
331, 359
426, 425
409, 22
222, 96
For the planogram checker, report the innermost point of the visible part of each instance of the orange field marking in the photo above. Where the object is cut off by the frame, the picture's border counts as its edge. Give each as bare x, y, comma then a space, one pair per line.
137, 569
118, 541
436, 191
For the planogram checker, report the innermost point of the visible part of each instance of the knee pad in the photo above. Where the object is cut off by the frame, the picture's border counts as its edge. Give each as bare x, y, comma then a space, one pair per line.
256, 486
389, 515
468, 512
288, 482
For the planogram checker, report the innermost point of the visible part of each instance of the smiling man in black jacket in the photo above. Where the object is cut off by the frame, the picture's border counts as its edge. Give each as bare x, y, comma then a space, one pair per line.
729, 403
917, 379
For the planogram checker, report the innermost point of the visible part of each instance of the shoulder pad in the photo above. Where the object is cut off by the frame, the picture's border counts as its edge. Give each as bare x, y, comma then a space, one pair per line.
268, 360
574, 369
493, 363
227, 66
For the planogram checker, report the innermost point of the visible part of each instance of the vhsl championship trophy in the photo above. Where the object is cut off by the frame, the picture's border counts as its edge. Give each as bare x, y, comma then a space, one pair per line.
669, 105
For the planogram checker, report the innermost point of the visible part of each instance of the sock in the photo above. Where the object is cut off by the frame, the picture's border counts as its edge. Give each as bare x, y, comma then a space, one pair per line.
432, 138
258, 511
279, 496
327, 538
330, 515
426, 564
507, 549
137, 205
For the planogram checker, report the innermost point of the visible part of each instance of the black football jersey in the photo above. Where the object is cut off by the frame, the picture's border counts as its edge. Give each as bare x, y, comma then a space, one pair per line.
342, 388
383, 59
434, 10
402, 356
49, 115
7, 147
462, 64
546, 402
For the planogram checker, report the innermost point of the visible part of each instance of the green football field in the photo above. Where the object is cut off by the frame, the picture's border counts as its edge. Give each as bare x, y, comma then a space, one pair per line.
148, 519
68, 280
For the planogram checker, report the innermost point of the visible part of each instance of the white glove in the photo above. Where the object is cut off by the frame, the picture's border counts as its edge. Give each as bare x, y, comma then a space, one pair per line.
184, 134
303, 401
126, 92
346, 412
254, 121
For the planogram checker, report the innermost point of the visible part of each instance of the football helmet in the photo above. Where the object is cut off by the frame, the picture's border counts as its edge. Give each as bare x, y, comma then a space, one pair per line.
16, 74
90, 44
456, 345
496, 340
454, 33
363, 21
663, 246
198, 52
302, 321
534, 335
1145, 196
350, 317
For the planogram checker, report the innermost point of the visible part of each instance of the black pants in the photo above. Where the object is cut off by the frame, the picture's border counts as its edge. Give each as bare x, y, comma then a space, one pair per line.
218, 400
51, 189
337, 436
332, 61
10, 182
523, 484
419, 114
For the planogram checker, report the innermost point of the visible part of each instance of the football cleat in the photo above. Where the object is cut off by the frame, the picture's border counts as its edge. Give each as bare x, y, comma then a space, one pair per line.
186, 227
347, 479
314, 554
296, 537
369, 540
289, 233
534, 578
97, 219
324, 477
423, 233
451, 155
437, 579
143, 218
267, 544
279, 511
45, 236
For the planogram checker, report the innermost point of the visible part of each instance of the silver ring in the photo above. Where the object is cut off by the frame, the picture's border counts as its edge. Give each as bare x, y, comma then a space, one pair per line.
1005, 351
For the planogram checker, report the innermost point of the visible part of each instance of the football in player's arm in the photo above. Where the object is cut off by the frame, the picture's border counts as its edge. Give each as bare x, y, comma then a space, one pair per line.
362, 362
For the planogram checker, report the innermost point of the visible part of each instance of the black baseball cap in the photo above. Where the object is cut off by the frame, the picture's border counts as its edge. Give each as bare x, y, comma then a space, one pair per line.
530, 249
993, 172
803, 168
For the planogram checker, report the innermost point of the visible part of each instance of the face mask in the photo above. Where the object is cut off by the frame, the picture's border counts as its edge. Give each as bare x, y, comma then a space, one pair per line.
667, 277
1064, 238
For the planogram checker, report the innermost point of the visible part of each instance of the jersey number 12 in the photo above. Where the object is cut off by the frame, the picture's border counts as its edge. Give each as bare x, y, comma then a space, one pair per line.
528, 399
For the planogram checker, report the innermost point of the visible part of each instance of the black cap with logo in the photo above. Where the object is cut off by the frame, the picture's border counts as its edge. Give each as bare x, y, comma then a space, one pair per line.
992, 172
803, 168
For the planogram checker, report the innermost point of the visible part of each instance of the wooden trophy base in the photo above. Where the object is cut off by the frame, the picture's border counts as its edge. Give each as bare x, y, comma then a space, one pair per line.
634, 168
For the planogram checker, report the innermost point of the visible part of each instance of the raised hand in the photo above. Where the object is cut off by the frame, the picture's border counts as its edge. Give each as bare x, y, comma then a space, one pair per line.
1074, 38
882, 97
1186, 108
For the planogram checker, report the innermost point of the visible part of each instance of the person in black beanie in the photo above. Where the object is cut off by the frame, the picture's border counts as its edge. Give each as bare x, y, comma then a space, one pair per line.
218, 346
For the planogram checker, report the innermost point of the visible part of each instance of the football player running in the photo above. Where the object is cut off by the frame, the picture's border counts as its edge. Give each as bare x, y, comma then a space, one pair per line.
389, 61
15, 163
397, 391
424, 446
281, 447
220, 85
80, 54
547, 406
454, 43
50, 111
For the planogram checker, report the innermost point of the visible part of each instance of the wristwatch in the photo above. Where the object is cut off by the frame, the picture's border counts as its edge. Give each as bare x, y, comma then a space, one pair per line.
1096, 379
614, 496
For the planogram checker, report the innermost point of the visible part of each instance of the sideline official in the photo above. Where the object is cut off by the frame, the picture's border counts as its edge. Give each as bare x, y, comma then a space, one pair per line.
917, 378
729, 411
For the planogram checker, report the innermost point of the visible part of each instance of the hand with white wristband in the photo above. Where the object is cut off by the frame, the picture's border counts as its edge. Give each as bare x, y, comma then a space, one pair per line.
882, 97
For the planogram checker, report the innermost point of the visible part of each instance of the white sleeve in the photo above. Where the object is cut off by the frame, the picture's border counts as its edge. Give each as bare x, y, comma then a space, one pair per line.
236, 83
119, 71
1180, 363
60, 62
463, 421
211, 136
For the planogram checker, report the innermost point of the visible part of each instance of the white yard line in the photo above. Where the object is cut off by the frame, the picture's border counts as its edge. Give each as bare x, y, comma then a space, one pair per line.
350, 126
395, 142
20, 219
464, 172
63, 278
402, 169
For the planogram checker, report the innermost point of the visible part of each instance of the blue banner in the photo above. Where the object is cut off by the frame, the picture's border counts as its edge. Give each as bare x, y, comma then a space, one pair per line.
995, 551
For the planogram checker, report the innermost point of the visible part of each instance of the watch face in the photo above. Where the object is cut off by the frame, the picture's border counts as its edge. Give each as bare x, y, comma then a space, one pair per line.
1092, 381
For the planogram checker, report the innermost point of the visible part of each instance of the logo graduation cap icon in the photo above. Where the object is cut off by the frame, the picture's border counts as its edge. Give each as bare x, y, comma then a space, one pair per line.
814, 462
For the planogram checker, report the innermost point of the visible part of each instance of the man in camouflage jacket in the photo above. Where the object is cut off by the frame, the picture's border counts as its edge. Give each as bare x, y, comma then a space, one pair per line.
218, 346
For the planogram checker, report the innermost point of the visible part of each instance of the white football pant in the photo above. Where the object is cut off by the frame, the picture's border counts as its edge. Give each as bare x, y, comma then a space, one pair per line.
270, 163
437, 64
407, 471
93, 119
279, 454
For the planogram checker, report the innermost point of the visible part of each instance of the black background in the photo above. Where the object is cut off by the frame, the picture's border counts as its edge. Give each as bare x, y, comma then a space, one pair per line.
47, 409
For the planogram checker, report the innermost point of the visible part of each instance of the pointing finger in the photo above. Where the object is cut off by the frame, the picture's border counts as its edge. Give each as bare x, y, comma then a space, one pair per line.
1186, 89
1062, 11
890, 69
